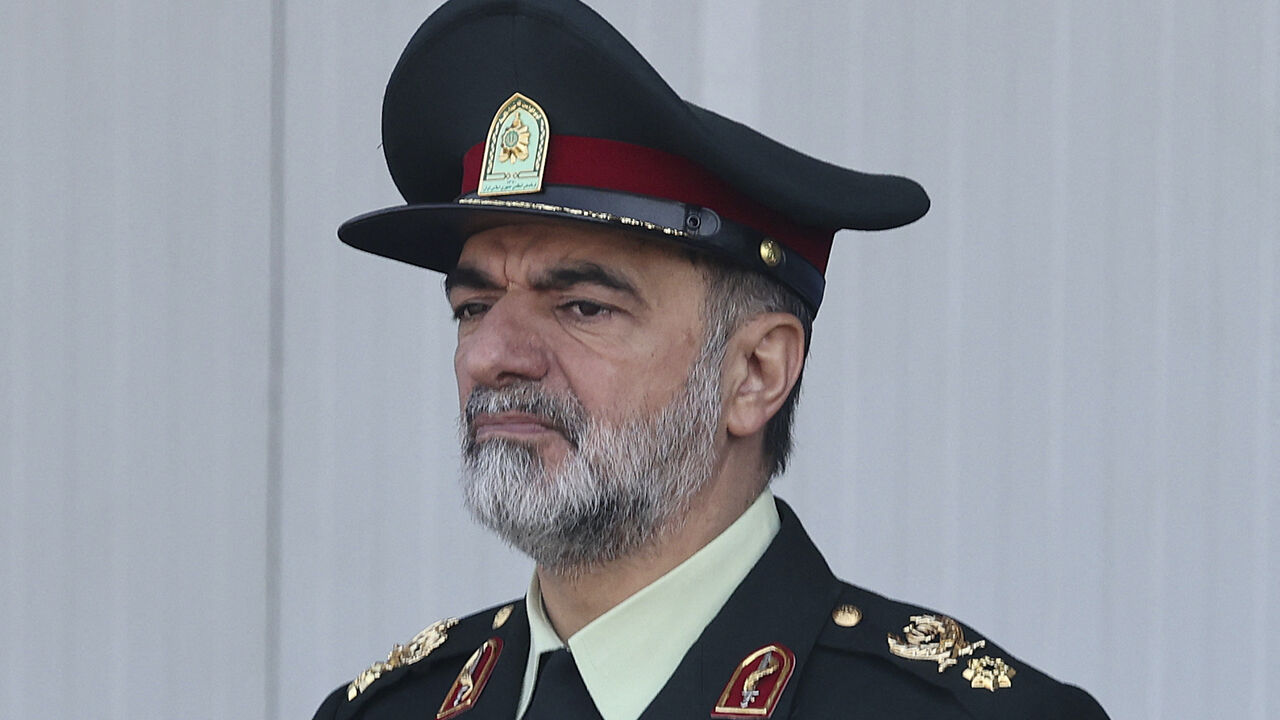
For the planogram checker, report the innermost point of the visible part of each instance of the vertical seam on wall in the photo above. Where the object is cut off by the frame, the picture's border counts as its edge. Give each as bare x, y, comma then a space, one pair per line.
1161, 498
1059, 610
275, 372
1267, 412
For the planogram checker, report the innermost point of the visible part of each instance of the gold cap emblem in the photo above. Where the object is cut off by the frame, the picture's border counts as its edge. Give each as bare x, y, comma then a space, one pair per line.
515, 151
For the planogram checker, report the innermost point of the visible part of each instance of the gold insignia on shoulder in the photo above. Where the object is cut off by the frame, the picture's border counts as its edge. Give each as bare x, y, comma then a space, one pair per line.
500, 617
933, 637
418, 648
515, 151
990, 673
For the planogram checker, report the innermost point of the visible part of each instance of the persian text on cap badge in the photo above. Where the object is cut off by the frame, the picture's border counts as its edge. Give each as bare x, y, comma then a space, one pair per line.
418, 648
471, 679
754, 688
515, 151
933, 637
990, 673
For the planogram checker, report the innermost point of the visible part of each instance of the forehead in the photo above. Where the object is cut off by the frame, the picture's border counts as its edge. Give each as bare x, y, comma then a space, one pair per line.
519, 249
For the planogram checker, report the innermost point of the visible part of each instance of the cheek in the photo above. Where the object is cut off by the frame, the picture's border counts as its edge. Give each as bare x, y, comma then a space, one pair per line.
644, 379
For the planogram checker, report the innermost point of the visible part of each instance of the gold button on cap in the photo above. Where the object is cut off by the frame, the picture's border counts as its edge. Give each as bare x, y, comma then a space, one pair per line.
500, 618
770, 252
846, 615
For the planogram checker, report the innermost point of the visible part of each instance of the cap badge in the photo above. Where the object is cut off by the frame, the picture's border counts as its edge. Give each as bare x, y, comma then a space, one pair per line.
933, 637
471, 679
756, 685
989, 673
515, 151
418, 648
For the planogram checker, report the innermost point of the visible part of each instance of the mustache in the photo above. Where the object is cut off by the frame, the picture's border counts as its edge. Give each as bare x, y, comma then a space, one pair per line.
563, 413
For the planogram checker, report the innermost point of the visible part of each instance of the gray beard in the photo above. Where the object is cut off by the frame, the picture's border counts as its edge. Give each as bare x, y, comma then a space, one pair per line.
617, 490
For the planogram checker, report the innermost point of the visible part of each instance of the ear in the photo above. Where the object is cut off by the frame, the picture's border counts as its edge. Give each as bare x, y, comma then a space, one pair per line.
762, 364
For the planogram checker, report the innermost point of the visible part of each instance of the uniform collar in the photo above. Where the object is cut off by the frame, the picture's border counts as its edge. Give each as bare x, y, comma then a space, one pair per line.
623, 657
786, 600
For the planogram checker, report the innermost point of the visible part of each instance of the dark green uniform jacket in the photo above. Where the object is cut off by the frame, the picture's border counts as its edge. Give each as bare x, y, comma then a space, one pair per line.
787, 599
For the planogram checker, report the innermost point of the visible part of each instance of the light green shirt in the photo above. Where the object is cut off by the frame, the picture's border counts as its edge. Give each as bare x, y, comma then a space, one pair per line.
626, 655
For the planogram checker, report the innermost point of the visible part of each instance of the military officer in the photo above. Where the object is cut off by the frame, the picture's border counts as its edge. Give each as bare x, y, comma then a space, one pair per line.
634, 281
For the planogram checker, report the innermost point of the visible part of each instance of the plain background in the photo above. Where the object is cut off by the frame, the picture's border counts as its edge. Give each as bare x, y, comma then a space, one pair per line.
1050, 408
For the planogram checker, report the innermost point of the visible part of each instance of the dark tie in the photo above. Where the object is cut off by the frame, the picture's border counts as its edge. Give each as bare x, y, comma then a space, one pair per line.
560, 693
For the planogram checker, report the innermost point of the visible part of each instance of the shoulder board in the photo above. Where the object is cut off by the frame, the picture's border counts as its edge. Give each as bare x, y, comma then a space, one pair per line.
439, 641
984, 679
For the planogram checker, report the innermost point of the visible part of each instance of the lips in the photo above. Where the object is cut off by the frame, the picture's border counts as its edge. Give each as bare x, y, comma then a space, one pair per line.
522, 411
512, 423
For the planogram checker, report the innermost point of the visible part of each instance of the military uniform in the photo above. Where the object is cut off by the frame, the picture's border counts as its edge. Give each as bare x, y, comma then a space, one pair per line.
518, 111
839, 634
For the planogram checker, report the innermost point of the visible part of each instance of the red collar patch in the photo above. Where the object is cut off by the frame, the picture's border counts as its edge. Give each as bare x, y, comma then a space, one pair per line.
471, 679
756, 685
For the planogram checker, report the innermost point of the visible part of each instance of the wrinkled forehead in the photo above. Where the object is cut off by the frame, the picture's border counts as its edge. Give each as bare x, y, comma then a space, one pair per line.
528, 247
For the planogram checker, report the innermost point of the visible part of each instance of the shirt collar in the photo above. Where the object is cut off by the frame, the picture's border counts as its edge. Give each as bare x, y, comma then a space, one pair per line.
623, 661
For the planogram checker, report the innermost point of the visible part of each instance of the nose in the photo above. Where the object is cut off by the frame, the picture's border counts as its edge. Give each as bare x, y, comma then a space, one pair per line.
502, 347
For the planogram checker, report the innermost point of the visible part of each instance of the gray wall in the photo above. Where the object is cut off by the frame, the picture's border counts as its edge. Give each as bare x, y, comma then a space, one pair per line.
1050, 408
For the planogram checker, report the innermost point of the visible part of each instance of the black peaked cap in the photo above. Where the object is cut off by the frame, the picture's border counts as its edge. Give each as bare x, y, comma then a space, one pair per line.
471, 55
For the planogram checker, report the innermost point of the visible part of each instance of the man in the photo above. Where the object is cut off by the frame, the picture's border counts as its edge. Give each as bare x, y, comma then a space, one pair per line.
634, 280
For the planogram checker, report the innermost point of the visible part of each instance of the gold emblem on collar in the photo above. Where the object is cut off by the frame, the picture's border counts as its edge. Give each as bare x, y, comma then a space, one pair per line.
933, 637
990, 673
471, 680
515, 151
418, 648
756, 685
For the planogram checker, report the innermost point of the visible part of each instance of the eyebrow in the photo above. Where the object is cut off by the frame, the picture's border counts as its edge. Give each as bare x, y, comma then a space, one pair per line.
561, 277
468, 277
564, 277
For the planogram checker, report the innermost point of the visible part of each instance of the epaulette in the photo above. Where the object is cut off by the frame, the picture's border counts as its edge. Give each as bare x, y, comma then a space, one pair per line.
982, 678
440, 641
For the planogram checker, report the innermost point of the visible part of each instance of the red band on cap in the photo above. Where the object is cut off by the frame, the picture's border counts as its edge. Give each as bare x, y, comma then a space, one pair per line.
614, 165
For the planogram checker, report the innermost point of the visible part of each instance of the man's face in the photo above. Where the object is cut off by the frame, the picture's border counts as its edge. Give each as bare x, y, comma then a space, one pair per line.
590, 408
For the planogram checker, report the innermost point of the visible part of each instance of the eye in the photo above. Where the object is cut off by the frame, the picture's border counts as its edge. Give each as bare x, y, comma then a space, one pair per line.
586, 309
469, 311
